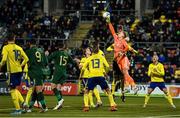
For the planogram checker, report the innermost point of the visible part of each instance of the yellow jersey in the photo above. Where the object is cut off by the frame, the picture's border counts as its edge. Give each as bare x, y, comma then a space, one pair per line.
96, 64
100, 52
86, 71
156, 72
177, 74
14, 57
25, 68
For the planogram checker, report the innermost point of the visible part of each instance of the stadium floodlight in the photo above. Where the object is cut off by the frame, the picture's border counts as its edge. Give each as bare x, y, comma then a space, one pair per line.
101, 1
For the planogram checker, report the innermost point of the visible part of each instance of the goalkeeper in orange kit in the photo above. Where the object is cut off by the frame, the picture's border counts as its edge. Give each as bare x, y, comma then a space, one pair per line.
120, 50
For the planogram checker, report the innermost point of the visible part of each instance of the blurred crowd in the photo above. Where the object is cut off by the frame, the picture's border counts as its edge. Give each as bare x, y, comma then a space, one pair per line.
18, 16
163, 27
98, 4
145, 30
91, 8
169, 8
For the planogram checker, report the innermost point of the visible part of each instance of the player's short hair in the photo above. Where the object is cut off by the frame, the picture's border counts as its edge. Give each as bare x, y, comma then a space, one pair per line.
125, 35
95, 46
156, 55
10, 36
120, 28
60, 45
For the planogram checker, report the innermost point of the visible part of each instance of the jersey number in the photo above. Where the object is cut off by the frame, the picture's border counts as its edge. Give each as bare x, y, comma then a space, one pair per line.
95, 63
17, 54
38, 56
63, 60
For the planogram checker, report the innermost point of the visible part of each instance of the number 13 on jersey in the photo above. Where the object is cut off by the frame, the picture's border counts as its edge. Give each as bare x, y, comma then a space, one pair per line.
95, 63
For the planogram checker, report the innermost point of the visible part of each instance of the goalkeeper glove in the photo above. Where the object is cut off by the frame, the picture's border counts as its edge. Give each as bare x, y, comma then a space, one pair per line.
108, 19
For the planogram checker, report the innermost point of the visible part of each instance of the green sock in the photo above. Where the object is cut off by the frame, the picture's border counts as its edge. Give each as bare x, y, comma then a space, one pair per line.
57, 94
33, 99
40, 98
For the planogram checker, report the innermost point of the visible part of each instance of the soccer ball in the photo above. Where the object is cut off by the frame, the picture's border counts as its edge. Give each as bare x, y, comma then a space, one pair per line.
106, 15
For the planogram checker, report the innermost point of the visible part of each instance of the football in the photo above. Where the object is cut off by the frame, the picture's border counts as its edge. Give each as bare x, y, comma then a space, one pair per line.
106, 14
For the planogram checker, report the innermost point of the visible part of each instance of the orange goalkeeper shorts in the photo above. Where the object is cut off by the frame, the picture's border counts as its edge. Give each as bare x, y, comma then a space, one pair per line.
123, 62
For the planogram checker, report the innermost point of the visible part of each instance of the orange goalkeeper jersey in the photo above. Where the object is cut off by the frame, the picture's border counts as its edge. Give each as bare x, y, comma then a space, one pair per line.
120, 46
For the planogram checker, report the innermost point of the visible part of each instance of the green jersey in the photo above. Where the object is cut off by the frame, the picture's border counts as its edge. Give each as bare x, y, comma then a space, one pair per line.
61, 59
37, 62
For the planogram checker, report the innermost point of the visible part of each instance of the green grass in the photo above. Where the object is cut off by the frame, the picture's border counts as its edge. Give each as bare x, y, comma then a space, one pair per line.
158, 106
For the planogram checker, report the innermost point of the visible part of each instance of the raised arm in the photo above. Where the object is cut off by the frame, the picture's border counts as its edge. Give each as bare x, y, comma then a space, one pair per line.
111, 28
132, 49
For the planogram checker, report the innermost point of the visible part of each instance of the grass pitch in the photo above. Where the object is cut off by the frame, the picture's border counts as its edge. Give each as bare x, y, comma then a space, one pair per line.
157, 107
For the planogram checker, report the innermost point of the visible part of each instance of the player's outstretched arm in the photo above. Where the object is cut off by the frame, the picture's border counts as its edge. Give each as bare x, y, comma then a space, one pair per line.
106, 15
111, 28
110, 48
132, 49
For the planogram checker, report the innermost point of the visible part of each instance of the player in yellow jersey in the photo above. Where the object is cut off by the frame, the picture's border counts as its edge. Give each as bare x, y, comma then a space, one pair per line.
100, 52
156, 72
96, 65
96, 92
15, 58
85, 76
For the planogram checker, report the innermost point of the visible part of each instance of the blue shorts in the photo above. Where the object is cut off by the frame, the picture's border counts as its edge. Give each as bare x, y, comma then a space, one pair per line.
160, 85
29, 82
93, 82
85, 82
15, 79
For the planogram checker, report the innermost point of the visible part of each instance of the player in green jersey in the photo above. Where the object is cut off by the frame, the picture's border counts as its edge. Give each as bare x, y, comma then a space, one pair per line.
61, 59
37, 62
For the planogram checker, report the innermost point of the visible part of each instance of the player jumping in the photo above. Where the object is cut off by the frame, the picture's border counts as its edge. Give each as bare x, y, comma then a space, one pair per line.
120, 49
